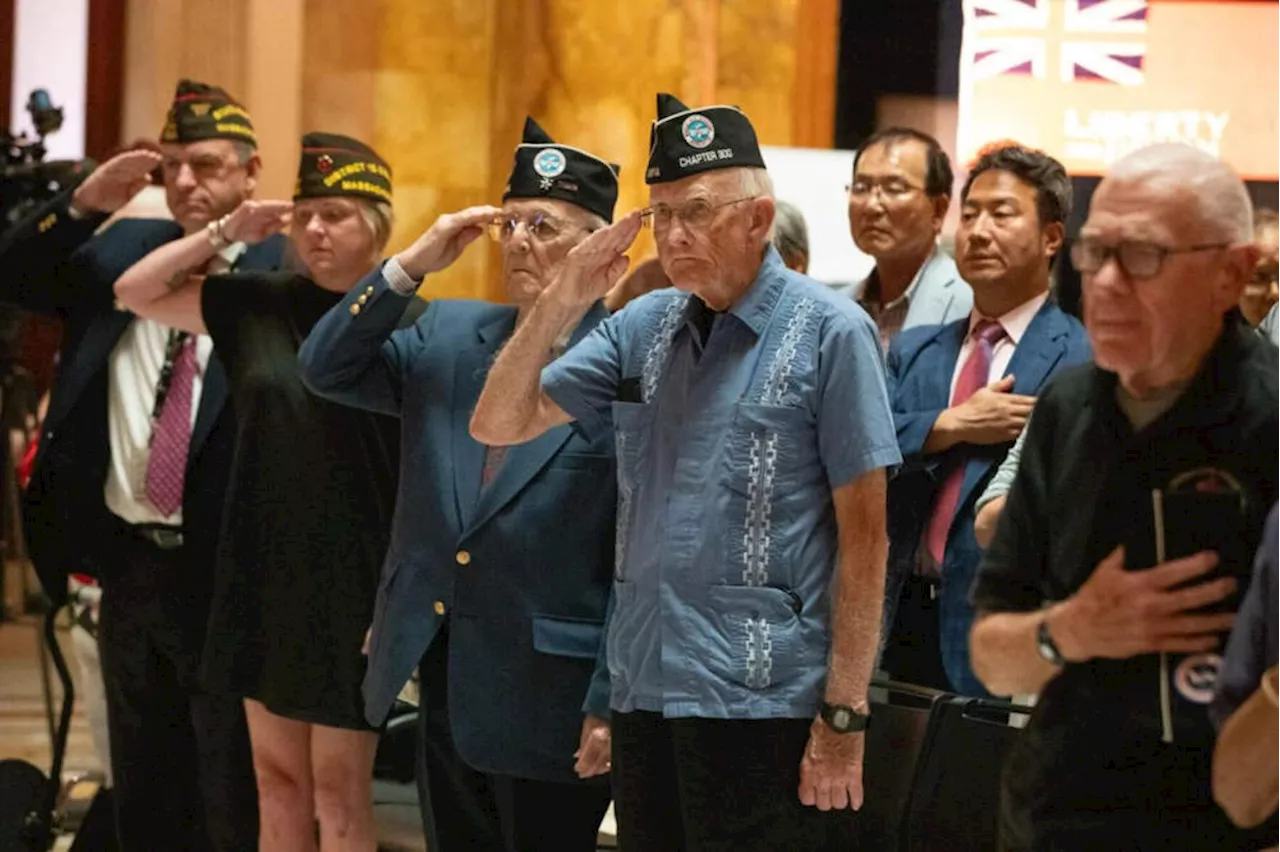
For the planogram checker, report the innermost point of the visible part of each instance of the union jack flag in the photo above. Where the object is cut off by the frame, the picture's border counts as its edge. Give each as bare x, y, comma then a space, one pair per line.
1018, 37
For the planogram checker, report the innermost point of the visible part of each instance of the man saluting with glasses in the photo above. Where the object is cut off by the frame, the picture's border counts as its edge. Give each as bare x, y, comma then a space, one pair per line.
498, 575
752, 429
1128, 536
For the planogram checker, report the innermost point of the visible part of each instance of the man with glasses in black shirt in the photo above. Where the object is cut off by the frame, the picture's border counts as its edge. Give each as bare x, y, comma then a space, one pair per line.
1128, 534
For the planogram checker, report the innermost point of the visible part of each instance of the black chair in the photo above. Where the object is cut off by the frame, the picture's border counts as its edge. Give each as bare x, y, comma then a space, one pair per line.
900, 715
955, 793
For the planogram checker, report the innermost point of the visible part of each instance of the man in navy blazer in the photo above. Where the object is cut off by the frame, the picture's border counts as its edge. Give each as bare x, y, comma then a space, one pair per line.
961, 394
182, 772
501, 559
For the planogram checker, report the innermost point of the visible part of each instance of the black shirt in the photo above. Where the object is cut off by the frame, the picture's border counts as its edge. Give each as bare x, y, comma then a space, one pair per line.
1093, 756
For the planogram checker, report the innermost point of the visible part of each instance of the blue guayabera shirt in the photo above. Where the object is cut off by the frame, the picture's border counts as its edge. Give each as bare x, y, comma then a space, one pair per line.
727, 458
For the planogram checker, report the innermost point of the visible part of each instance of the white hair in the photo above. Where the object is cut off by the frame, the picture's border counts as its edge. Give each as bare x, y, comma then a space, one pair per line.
1222, 203
755, 183
790, 234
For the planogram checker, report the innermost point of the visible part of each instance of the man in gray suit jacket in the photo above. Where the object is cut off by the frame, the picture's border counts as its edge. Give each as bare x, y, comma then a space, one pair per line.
897, 202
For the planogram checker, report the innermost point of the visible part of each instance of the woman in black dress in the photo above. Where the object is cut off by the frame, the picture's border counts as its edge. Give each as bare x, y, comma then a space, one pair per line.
309, 505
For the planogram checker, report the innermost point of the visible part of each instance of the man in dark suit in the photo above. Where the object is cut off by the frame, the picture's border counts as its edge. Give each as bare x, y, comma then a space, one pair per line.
129, 479
501, 558
961, 394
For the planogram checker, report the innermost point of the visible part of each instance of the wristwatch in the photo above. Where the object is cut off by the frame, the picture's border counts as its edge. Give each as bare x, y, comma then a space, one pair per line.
1046, 646
843, 719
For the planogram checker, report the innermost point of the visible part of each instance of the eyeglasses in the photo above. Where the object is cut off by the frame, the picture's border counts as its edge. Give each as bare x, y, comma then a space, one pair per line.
890, 189
694, 214
540, 226
1138, 260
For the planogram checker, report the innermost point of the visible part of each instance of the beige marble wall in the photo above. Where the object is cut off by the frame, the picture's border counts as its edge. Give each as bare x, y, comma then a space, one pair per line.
441, 87
251, 48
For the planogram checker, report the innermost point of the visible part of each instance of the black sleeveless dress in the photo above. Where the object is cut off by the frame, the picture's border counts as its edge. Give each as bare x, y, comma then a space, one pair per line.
308, 512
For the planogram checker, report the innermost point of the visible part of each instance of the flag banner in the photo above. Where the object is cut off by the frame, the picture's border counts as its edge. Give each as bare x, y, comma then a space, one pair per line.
1090, 80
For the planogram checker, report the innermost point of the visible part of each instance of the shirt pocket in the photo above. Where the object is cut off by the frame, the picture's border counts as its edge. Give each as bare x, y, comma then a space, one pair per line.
632, 428
759, 643
770, 458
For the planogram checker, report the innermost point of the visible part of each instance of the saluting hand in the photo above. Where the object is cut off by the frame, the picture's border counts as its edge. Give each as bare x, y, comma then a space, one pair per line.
445, 240
1118, 614
254, 221
116, 181
831, 769
594, 265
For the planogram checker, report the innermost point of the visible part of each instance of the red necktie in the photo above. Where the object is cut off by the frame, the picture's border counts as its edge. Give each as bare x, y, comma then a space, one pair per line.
973, 377
171, 441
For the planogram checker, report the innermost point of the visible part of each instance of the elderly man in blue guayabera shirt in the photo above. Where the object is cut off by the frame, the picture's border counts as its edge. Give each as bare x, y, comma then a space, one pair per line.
501, 559
898, 199
752, 428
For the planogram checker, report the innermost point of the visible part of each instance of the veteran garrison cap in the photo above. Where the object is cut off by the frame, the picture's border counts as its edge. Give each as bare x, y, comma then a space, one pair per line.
201, 112
684, 142
336, 165
546, 169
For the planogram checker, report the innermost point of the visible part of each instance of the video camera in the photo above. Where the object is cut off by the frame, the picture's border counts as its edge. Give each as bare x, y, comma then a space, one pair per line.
26, 180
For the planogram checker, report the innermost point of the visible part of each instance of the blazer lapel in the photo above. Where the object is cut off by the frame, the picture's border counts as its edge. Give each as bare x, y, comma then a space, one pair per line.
94, 351
525, 461
1039, 351
933, 294
470, 371
213, 396
522, 464
937, 383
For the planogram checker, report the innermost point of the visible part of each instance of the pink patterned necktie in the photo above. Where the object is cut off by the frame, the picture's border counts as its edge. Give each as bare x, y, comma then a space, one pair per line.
973, 377
171, 440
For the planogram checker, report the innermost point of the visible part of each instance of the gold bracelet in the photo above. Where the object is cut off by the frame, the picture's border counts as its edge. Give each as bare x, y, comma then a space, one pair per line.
1269, 689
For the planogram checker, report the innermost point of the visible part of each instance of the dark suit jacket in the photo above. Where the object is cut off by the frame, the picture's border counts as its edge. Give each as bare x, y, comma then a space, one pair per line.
921, 362
52, 263
522, 569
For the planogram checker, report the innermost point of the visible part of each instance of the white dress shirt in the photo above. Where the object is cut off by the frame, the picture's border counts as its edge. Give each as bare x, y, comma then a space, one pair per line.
133, 373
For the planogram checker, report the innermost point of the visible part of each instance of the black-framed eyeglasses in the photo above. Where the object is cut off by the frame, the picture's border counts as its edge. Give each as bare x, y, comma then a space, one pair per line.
540, 226
1137, 259
694, 214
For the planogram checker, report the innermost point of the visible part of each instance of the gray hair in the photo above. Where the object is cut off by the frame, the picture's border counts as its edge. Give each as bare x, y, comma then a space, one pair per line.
1222, 202
379, 218
790, 234
244, 151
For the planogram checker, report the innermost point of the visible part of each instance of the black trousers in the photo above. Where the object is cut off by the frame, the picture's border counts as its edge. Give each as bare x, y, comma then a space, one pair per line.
183, 769
914, 650
464, 810
717, 785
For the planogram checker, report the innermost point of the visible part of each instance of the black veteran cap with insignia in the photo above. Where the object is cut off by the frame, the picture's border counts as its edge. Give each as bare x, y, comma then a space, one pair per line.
544, 169
335, 165
684, 142
201, 112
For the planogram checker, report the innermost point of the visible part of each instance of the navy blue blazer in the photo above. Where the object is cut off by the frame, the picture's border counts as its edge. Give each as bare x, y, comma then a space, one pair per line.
920, 365
522, 569
52, 263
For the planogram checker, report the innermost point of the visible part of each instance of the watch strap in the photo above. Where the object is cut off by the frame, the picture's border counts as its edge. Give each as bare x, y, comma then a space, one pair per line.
843, 719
